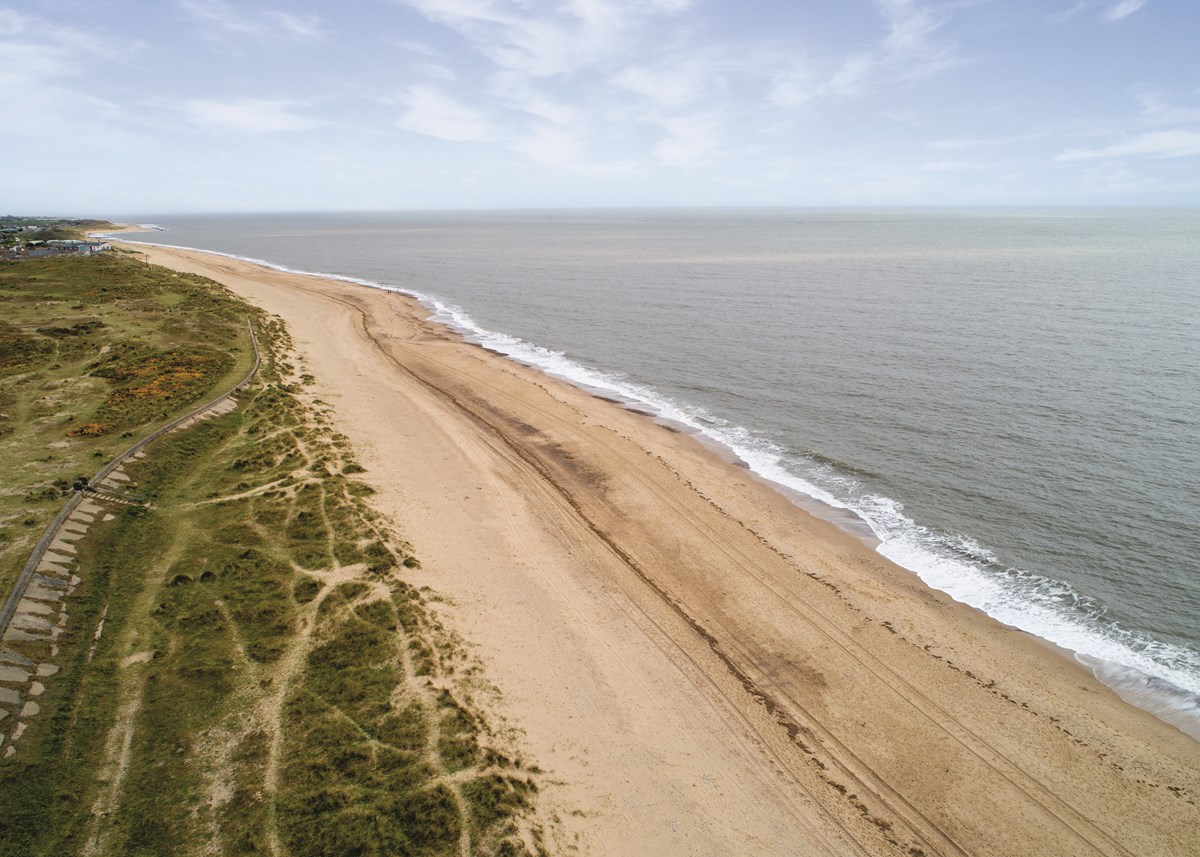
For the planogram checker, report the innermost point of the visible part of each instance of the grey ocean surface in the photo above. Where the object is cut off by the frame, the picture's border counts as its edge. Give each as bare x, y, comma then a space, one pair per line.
1009, 398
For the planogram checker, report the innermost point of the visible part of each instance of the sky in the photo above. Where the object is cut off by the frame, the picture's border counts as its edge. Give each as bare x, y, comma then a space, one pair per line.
128, 106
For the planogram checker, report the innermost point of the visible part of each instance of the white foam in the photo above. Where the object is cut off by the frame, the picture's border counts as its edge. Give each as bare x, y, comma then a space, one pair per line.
1162, 699
141, 227
1046, 608
1157, 677
1167, 677
959, 567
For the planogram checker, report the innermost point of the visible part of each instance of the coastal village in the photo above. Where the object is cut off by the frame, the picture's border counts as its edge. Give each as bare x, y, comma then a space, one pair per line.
38, 237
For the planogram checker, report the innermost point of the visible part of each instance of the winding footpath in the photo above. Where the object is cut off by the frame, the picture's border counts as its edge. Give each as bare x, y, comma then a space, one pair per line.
35, 611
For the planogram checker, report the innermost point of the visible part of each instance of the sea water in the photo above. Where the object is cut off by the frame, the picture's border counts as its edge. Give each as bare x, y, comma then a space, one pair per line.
1009, 399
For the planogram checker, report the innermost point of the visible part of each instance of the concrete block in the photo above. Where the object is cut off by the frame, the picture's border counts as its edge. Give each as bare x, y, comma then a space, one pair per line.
55, 582
35, 608
8, 656
16, 635
37, 592
31, 623
14, 675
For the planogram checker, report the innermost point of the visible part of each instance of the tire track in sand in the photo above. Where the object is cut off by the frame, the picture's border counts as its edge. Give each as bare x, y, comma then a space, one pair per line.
770, 686
928, 832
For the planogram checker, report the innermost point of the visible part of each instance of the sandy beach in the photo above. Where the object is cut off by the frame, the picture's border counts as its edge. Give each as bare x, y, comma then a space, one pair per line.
699, 665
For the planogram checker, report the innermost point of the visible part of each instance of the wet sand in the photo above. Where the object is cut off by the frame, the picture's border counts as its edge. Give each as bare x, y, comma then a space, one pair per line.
699, 665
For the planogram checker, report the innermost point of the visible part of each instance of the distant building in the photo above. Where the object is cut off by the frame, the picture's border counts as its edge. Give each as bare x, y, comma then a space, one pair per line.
85, 248
64, 247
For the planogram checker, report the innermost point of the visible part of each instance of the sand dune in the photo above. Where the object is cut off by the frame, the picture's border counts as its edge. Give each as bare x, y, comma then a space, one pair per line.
700, 666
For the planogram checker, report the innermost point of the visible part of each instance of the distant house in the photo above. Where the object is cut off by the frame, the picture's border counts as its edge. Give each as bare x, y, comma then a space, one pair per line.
85, 248
62, 247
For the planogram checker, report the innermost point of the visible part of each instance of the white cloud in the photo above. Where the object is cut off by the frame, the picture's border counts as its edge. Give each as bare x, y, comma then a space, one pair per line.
438, 114
1157, 111
433, 70
1123, 9
1065, 15
907, 51
952, 166
551, 146
73, 45
1116, 180
248, 115
852, 76
11, 23
567, 150
519, 94
793, 86
264, 26
902, 187
690, 141
420, 48
671, 84
43, 68
960, 143
614, 70
219, 15
300, 27
32, 63
537, 42
910, 25
537, 52
1153, 144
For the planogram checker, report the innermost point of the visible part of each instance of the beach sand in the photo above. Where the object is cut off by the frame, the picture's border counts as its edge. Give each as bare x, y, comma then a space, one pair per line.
698, 665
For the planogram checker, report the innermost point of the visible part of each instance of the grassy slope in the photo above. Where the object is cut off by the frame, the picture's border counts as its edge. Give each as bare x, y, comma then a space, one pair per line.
266, 681
94, 352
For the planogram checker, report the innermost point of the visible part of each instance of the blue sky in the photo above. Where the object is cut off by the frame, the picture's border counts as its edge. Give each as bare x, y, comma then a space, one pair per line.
227, 105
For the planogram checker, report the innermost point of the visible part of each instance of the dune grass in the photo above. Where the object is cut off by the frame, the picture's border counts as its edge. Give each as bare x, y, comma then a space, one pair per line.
267, 681
96, 351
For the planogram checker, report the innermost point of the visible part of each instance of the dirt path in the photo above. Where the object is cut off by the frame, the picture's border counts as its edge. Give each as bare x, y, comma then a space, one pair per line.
702, 667
35, 611
117, 745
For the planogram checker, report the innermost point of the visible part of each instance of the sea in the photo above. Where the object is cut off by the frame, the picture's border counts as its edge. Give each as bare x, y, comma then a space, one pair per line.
1004, 401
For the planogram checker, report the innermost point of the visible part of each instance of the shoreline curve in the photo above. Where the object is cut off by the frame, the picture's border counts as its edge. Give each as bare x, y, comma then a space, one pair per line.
680, 641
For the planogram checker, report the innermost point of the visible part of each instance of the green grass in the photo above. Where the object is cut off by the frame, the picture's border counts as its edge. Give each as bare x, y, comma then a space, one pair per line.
95, 352
298, 697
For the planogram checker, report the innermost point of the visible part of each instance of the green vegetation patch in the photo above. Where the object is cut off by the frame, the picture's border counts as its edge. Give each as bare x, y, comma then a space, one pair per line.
149, 385
20, 352
95, 352
280, 688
